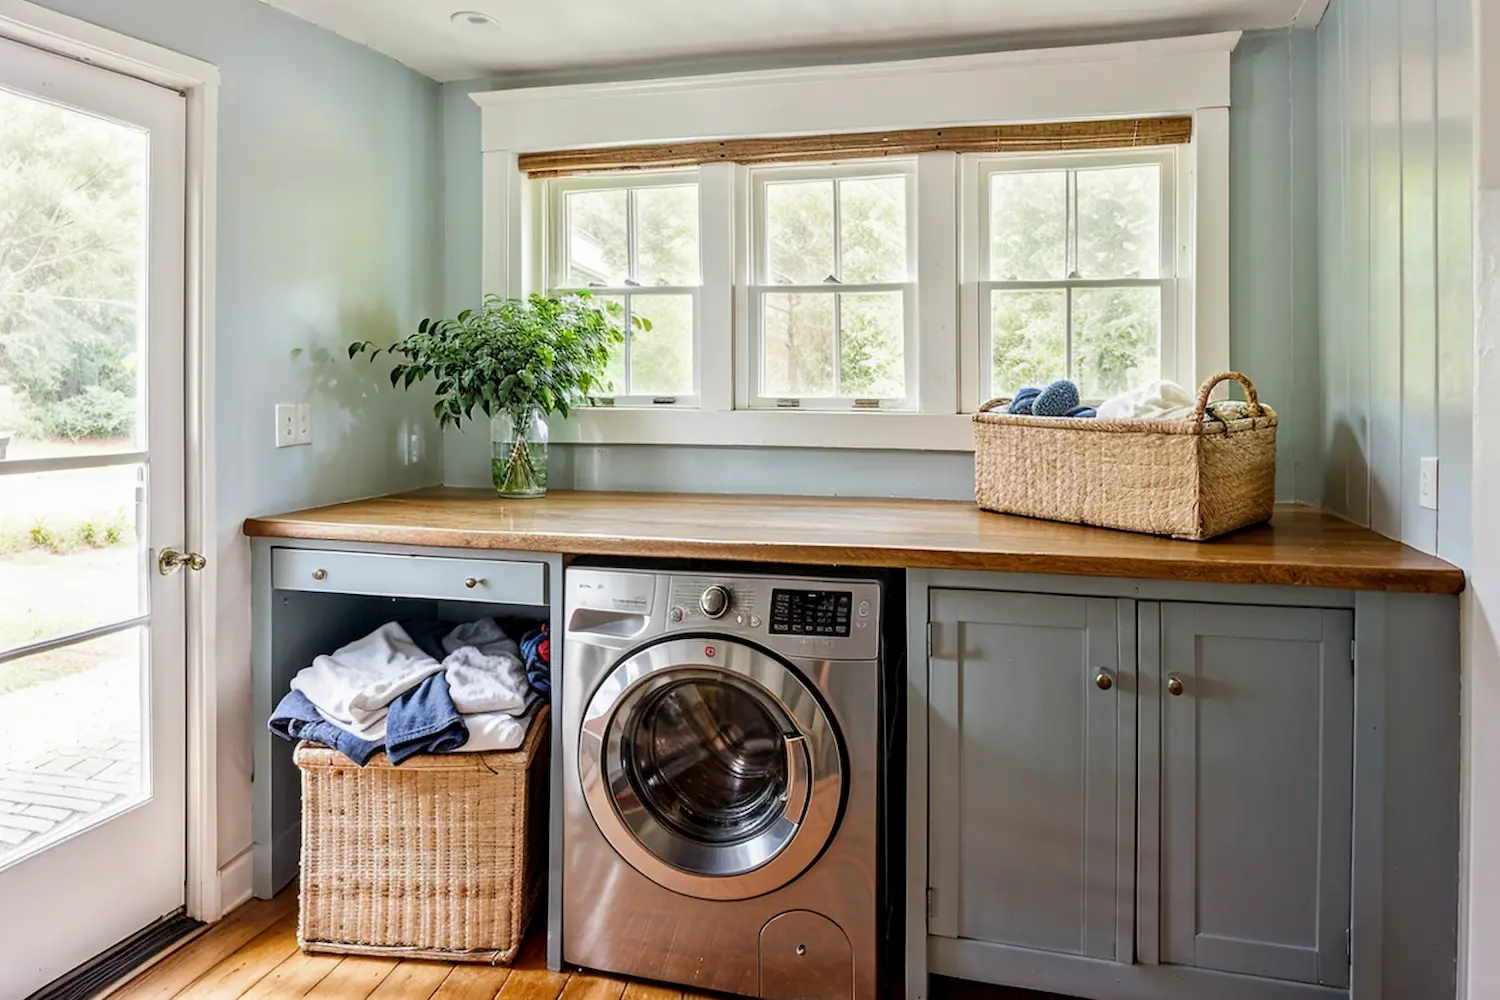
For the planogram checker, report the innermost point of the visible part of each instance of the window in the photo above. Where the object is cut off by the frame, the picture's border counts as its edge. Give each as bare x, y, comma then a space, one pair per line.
1076, 268
635, 242
832, 287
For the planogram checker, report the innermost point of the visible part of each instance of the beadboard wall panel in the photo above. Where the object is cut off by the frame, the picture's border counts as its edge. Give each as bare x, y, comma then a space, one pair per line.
1396, 265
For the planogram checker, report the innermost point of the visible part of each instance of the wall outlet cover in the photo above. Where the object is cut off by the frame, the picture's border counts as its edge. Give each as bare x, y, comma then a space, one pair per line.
286, 425
1428, 484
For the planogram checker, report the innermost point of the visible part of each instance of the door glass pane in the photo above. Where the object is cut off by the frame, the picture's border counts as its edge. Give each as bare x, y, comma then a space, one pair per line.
1029, 226
666, 235
1116, 339
872, 229
72, 257
872, 345
72, 754
1119, 222
799, 232
1028, 339
708, 760
661, 358
598, 238
798, 344
69, 555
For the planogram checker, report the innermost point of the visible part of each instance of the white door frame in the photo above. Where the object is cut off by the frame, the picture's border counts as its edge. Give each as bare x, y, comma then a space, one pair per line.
198, 81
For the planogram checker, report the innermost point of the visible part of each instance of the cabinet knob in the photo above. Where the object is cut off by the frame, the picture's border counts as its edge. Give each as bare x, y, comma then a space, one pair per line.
320, 574
1174, 686
471, 582
1104, 680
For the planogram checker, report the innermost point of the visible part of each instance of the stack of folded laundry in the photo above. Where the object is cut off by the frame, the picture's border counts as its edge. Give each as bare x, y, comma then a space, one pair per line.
419, 687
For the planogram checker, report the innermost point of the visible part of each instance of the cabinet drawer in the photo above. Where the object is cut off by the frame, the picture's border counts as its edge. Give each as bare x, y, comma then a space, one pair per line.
489, 580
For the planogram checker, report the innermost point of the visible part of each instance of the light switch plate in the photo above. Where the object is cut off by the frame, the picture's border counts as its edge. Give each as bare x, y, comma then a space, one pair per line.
1428, 485
304, 423
286, 425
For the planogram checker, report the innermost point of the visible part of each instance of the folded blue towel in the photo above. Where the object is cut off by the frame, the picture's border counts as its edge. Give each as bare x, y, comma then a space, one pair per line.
296, 718
1056, 400
423, 720
536, 654
1024, 398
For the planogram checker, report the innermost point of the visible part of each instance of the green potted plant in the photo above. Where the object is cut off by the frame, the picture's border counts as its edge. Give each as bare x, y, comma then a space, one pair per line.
517, 361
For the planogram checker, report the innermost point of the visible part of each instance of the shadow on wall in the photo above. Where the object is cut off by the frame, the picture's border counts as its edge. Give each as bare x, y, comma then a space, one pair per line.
356, 409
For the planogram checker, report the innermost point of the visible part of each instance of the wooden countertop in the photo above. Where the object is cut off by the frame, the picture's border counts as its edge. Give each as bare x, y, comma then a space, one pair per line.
1300, 547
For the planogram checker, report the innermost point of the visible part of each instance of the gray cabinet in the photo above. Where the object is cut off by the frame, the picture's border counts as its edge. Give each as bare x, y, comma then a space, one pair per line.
1032, 779
1246, 765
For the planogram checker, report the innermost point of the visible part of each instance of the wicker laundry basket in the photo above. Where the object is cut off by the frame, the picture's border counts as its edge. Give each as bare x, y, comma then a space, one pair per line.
441, 858
1192, 479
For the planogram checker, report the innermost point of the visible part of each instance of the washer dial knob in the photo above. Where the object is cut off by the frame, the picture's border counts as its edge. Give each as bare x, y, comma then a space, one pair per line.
714, 602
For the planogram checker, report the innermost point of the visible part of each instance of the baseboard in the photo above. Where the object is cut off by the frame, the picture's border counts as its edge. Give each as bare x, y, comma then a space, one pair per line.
237, 881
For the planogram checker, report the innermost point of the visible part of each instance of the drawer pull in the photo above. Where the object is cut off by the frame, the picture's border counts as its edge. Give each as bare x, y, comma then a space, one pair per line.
472, 582
320, 574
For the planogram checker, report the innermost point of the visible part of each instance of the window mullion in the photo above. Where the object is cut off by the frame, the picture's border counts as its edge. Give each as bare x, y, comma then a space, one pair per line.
838, 340
632, 264
629, 339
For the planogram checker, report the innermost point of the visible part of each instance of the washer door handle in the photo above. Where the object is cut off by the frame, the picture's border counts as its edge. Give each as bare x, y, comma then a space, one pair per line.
798, 779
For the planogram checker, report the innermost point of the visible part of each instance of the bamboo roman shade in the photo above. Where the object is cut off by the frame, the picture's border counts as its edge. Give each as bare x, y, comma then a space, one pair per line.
1043, 137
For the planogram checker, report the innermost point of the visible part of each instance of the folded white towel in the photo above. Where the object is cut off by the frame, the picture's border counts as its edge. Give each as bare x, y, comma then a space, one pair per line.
496, 731
485, 672
353, 687
1161, 400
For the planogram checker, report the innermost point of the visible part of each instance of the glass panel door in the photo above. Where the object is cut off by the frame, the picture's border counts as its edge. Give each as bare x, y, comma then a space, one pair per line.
92, 645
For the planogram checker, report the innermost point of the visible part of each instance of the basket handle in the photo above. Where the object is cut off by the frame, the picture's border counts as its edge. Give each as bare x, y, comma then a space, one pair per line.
993, 403
1252, 398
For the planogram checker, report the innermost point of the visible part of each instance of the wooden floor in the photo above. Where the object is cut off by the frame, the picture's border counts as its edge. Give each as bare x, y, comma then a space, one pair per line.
252, 955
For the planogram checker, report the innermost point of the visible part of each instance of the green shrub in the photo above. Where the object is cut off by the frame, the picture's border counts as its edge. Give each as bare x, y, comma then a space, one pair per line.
96, 412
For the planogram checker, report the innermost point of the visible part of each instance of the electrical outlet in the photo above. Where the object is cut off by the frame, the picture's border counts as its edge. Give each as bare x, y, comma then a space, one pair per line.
1428, 484
304, 423
286, 425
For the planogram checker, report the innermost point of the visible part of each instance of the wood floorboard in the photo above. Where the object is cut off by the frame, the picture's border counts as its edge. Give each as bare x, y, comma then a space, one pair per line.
252, 955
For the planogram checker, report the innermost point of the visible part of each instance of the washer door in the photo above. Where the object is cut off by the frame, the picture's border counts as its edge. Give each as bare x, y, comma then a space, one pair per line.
711, 767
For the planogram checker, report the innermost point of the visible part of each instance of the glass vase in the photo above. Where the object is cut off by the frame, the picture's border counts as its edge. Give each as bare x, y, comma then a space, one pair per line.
518, 453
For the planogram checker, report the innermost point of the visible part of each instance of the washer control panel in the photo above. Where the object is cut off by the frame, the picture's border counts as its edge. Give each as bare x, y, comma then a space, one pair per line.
811, 612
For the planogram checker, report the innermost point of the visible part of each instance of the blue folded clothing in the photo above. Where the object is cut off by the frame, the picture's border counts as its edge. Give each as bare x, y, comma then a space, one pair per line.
536, 655
296, 718
423, 720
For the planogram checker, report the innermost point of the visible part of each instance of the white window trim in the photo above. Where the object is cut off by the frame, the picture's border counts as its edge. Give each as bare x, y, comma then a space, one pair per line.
554, 254
1164, 76
758, 284
1176, 356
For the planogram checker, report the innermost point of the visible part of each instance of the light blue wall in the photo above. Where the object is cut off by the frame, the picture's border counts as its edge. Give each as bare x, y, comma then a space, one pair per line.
1273, 303
1396, 223
328, 231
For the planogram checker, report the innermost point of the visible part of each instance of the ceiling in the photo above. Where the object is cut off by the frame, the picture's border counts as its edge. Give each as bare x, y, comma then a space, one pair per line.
562, 38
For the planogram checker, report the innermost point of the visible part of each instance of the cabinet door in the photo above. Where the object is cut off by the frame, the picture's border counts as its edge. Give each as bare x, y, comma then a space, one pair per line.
1031, 809
1256, 761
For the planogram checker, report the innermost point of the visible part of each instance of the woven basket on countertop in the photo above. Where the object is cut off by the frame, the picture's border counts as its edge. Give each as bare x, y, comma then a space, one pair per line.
1193, 478
441, 858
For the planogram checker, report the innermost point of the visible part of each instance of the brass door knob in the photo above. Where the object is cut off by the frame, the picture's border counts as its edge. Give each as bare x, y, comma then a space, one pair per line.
1104, 680
171, 560
1174, 686
471, 582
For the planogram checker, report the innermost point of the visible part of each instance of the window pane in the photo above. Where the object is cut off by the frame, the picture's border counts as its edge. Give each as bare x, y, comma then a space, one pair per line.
72, 254
1028, 226
1028, 339
68, 555
799, 232
797, 348
1116, 339
614, 375
73, 748
661, 359
871, 345
666, 234
872, 229
598, 238
1119, 222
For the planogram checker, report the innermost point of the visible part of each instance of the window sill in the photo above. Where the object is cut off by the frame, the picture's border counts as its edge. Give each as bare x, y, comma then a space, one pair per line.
768, 429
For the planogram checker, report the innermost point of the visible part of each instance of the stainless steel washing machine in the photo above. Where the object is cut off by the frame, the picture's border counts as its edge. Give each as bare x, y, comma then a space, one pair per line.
722, 738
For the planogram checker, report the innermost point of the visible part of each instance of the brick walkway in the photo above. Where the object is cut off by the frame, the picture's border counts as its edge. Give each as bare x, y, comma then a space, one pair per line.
69, 751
